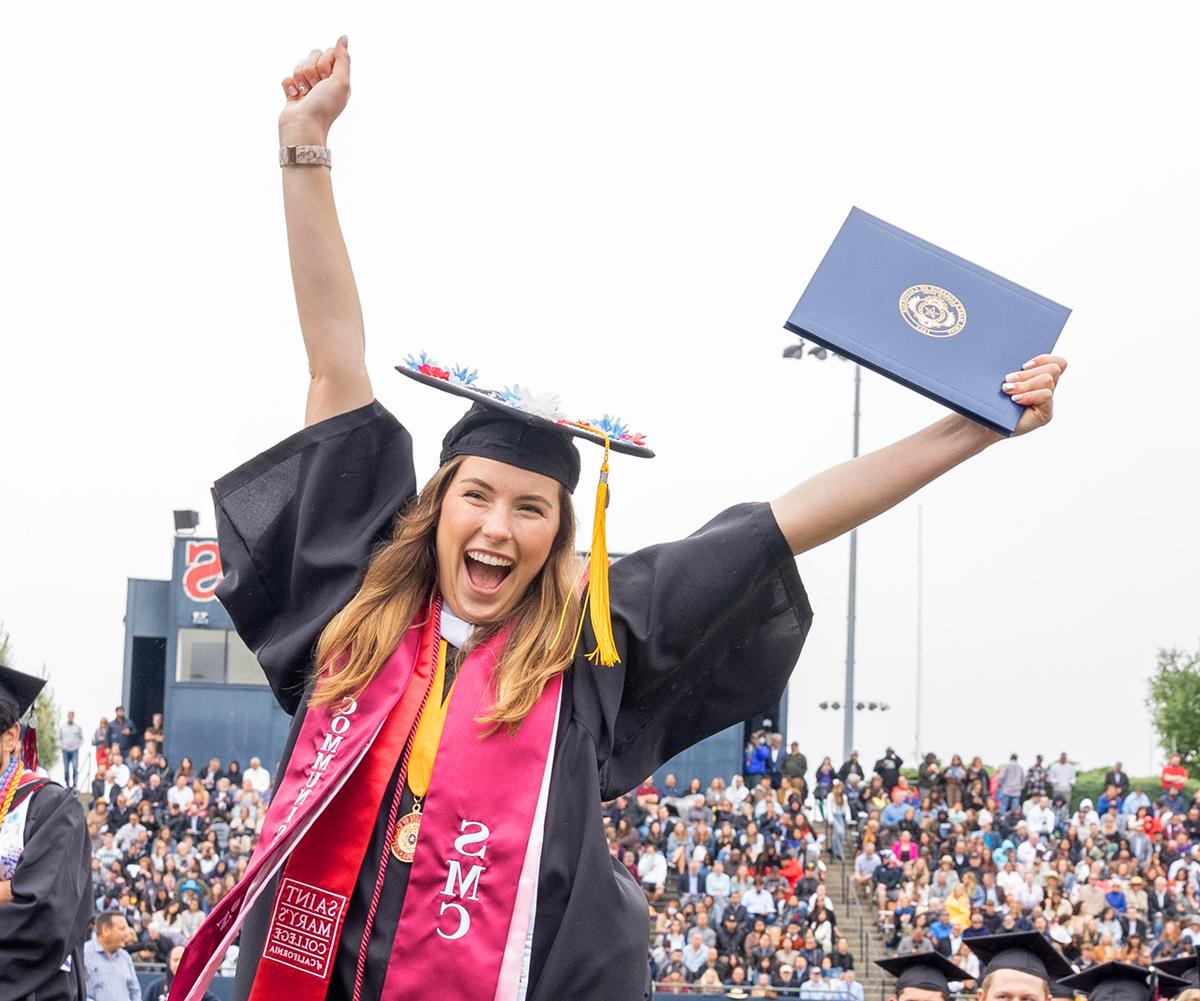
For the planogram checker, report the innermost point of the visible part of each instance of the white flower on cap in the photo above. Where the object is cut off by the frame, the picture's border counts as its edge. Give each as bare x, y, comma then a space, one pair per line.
544, 405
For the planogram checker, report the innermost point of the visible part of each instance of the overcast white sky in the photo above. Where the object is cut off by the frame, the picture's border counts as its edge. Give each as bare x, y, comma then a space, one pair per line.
622, 203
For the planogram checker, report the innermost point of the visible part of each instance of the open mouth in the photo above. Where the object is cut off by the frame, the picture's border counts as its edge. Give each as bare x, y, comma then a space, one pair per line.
487, 571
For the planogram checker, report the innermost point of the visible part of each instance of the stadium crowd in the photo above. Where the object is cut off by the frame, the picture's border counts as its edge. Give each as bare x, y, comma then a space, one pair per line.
734, 872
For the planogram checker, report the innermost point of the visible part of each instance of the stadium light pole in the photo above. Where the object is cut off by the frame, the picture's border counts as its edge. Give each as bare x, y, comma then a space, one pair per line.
797, 351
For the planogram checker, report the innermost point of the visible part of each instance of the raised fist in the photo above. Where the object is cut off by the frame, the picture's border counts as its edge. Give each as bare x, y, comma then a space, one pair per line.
317, 92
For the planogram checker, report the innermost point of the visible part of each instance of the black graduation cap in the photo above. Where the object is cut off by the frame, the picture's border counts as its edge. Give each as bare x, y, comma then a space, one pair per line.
1186, 968
530, 431
1025, 951
22, 689
1123, 982
1057, 990
927, 971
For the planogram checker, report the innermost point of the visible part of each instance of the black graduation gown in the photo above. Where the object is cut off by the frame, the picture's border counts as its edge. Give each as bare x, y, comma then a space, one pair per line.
708, 628
47, 919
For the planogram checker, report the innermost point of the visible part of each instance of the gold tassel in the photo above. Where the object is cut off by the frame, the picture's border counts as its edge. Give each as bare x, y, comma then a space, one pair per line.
598, 610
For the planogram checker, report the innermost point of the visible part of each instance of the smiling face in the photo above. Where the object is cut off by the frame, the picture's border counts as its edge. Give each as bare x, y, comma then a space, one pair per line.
495, 531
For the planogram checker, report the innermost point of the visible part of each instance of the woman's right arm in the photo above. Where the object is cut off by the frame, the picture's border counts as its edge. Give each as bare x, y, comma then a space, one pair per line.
326, 296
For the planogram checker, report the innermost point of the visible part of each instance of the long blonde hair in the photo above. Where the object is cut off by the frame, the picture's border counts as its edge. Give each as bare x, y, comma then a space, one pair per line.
396, 591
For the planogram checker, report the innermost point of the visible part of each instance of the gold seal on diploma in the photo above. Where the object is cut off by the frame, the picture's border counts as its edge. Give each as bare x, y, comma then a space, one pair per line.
932, 311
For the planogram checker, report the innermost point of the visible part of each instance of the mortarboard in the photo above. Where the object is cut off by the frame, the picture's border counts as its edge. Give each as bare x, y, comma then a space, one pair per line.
22, 689
1027, 952
1123, 982
531, 432
1186, 968
927, 971
1057, 990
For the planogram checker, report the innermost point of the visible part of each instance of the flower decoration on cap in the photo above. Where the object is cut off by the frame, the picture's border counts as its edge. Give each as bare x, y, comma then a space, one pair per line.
546, 406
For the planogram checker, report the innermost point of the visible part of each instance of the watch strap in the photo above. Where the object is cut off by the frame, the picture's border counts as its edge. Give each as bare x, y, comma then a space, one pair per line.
315, 156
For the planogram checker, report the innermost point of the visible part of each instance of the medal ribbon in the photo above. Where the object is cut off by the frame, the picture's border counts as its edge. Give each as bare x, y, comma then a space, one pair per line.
429, 731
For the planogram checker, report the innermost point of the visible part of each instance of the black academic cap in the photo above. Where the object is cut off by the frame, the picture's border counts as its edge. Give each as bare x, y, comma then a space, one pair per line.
1057, 990
1186, 968
22, 689
1122, 982
928, 971
1027, 952
487, 432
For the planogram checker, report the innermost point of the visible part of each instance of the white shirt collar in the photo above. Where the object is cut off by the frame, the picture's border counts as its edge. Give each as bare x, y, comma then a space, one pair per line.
455, 631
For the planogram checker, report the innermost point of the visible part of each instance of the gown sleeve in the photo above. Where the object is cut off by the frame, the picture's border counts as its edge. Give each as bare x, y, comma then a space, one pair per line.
296, 526
709, 629
46, 920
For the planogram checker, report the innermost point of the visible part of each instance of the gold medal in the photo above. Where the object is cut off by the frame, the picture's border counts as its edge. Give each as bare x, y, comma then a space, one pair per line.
408, 829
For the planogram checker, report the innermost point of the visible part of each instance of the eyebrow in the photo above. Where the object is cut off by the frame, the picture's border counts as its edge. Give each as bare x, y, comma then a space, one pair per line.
488, 486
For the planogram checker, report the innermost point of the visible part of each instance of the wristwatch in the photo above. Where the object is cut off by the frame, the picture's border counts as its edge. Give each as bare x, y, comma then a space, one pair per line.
314, 156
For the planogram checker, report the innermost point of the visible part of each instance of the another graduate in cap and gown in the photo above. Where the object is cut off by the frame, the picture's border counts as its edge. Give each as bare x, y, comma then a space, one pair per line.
926, 976
465, 693
45, 864
1018, 965
1125, 982
1187, 969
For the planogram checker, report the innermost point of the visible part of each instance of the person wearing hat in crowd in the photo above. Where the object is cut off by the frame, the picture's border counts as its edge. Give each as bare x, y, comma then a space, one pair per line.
45, 863
923, 977
1124, 982
1017, 965
455, 624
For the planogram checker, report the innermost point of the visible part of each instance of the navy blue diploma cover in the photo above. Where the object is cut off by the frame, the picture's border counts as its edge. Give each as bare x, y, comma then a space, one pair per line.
926, 318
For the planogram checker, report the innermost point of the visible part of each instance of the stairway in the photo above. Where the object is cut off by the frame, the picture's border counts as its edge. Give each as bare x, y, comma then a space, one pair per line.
856, 923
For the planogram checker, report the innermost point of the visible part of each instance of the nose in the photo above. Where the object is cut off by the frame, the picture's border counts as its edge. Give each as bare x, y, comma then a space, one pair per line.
497, 525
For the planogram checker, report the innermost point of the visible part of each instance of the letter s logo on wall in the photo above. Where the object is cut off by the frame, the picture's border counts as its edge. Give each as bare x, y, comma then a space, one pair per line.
202, 571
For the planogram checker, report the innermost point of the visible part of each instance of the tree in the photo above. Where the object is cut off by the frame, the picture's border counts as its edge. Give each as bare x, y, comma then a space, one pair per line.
1174, 696
47, 726
44, 707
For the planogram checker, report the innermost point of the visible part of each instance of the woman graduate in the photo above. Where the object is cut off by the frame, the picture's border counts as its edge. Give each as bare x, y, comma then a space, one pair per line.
45, 864
460, 711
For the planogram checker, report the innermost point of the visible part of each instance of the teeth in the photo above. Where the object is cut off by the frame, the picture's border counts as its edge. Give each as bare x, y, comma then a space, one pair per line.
489, 559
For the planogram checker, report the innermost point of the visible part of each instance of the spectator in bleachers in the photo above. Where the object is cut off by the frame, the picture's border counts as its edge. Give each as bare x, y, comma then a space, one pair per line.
121, 731
795, 768
1010, 784
1174, 775
1062, 777
70, 740
888, 769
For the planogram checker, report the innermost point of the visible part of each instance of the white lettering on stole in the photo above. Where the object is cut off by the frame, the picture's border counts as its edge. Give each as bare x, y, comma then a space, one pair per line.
464, 921
472, 842
468, 887
478, 836
322, 759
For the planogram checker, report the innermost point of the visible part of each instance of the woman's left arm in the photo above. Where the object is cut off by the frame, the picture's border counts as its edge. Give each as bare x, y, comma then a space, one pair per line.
842, 498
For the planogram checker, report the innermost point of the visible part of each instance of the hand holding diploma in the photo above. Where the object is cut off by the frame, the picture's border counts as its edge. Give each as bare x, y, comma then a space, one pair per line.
1033, 387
